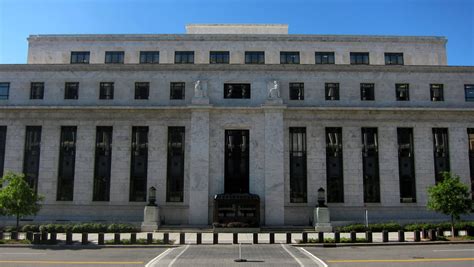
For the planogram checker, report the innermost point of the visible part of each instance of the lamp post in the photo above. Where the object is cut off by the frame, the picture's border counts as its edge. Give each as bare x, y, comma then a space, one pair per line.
152, 196
321, 197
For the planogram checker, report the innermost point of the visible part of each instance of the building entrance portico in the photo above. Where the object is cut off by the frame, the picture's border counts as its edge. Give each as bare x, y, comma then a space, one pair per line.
236, 178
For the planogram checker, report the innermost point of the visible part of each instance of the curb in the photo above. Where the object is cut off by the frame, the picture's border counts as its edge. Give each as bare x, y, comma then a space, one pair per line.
80, 246
333, 245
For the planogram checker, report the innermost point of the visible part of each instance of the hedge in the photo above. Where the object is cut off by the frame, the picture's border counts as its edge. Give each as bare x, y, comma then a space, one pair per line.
77, 228
393, 227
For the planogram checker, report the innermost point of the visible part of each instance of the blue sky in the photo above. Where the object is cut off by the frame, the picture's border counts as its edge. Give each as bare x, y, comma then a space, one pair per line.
453, 19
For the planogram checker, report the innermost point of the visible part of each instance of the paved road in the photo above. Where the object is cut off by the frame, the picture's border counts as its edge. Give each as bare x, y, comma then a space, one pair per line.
256, 255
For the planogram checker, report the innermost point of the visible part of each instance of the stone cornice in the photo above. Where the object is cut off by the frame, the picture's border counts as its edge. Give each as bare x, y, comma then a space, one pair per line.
234, 37
235, 67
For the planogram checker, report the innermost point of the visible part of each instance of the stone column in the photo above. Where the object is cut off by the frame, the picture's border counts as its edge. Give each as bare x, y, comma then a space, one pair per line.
120, 169
352, 160
459, 153
199, 167
14, 147
84, 169
49, 156
388, 162
274, 169
424, 162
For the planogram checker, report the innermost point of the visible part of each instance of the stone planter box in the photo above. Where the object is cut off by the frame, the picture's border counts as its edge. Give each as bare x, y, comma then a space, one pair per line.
236, 230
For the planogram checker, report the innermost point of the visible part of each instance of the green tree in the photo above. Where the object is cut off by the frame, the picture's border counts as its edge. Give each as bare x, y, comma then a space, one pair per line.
450, 197
17, 198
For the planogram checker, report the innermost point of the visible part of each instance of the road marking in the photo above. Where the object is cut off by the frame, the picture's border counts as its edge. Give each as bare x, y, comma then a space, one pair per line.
448, 250
317, 260
157, 258
21, 253
77, 262
407, 260
181, 253
292, 255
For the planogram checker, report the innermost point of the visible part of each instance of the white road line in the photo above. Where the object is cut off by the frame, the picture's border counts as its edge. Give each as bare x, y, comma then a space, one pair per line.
21, 253
159, 257
317, 260
181, 253
292, 255
449, 250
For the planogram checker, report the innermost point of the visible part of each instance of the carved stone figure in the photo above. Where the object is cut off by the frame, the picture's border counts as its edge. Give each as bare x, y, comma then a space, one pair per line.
200, 91
274, 90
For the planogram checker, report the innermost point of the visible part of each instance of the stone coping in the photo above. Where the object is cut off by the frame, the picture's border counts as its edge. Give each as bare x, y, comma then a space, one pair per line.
238, 67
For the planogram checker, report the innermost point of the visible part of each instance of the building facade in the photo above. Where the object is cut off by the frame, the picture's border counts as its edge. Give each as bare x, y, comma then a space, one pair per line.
95, 120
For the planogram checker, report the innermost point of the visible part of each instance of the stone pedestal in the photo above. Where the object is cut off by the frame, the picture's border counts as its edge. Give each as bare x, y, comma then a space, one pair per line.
321, 220
151, 218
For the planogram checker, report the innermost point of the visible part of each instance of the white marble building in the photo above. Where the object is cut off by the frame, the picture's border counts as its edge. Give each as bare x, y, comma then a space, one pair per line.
391, 99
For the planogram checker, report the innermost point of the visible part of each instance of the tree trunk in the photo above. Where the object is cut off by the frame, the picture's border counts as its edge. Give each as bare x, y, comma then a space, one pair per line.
17, 222
452, 226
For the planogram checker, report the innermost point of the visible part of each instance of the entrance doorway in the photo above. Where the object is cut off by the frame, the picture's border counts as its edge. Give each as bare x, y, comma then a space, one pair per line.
236, 178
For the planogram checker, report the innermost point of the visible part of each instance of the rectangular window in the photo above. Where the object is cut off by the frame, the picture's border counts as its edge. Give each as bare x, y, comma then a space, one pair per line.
175, 169
139, 164
298, 181
184, 57
106, 91
80, 57
402, 92
3, 141
332, 91
367, 91
441, 152
296, 91
37, 91
289, 57
102, 164
149, 57
237, 90
324, 57
219, 57
67, 162
436, 92
32, 155
470, 133
71, 91
4, 91
114, 57
177, 90
393, 58
359, 58
406, 165
254, 57
370, 162
334, 167
469, 92
142, 90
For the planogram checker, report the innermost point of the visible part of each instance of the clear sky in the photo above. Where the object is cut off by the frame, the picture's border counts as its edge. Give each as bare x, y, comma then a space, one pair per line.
453, 19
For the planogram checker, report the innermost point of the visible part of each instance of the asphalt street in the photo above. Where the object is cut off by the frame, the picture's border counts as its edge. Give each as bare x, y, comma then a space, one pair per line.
255, 255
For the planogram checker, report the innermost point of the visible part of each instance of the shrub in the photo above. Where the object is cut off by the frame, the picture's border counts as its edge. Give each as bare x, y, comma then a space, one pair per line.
30, 228
121, 228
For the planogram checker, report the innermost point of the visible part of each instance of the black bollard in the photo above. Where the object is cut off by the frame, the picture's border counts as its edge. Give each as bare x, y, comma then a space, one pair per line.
235, 238
288, 238
166, 238
384, 236
149, 238
36, 238
304, 237
100, 239
337, 237
117, 238
68, 238
432, 234
424, 233
321, 237
182, 238
44, 237
272, 238
353, 237
215, 238
368, 236
53, 237
255, 238
439, 232
401, 236
198, 238
416, 234
14, 235
133, 238
84, 240
29, 236
2, 236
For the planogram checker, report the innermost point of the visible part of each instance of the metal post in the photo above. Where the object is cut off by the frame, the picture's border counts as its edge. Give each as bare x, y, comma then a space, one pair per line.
401, 236
166, 238
215, 238
68, 238
198, 238
235, 238
353, 237
304, 237
29, 236
368, 236
182, 238
84, 239
384, 236
53, 237
117, 238
36, 238
416, 233
14, 235
272, 238
288, 238
337, 237
255, 238
321, 237
133, 238
149, 238
100, 237
432, 234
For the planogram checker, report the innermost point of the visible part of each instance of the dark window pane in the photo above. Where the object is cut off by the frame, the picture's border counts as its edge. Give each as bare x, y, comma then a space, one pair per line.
298, 179
436, 92
106, 91
4, 91
37, 91
71, 90
402, 92
80, 57
441, 152
297, 91
218, 57
184, 57
102, 165
254, 57
370, 161
325, 58
175, 169
67, 158
149, 57
359, 58
32, 155
3, 141
367, 91
289, 57
406, 165
177, 90
393, 58
334, 167
142, 90
114, 57
139, 164
470, 133
236, 90
469, 92
332, 91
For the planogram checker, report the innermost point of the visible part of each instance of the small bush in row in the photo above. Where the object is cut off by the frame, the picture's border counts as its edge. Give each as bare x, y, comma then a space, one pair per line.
77, 228
342, 240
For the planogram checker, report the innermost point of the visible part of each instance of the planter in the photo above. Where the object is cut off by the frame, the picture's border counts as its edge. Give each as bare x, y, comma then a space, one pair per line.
236, 229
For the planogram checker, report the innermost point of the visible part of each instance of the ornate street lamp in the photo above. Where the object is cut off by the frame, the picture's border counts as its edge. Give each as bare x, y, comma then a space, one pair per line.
321, 197
151, 196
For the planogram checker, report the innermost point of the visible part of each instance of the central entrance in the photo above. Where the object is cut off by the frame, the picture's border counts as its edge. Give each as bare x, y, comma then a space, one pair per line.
236, 178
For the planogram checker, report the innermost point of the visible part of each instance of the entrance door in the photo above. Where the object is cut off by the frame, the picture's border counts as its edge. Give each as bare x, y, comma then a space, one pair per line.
236, 161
